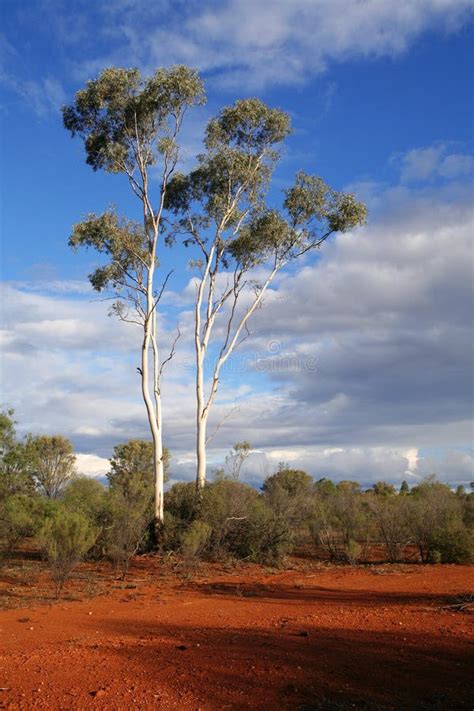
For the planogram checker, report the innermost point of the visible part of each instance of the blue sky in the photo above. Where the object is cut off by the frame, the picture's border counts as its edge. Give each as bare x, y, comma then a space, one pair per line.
380, 96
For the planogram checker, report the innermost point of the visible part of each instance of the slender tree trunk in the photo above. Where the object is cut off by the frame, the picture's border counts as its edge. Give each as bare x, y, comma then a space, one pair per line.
201, 421
158, 445
153, 410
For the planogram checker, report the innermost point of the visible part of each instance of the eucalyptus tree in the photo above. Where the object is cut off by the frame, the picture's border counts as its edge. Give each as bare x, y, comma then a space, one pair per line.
222, 210
53, 463
131, 125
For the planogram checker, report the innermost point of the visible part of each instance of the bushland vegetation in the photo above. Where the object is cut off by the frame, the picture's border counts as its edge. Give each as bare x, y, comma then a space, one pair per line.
74, 517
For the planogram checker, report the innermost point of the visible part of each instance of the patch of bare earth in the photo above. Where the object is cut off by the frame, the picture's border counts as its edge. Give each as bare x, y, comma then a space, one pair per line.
312, 637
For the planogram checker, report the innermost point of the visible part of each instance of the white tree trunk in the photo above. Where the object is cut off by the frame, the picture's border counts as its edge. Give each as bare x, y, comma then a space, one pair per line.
201, 452
201, 344
153, 408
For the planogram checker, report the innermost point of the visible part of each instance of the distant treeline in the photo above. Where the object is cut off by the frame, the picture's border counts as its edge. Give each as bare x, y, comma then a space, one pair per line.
72, 516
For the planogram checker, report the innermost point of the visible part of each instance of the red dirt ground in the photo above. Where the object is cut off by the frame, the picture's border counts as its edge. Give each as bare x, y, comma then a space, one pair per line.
312, 637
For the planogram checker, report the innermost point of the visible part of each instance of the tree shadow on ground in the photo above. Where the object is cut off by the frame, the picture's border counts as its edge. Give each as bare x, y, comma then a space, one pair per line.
239, 668
300, 593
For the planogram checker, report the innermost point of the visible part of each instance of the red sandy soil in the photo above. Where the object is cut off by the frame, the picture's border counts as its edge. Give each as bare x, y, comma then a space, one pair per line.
310, 637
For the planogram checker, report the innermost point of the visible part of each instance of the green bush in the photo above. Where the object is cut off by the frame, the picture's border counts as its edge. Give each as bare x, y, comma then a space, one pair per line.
182, 501
353, 551
452, 544
127, 529
194, 541
435, 519
19, 517
236, 519
66, 538
86, 496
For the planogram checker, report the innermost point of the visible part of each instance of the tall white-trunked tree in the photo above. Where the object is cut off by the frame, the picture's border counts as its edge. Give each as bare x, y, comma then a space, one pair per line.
223, 211
130, 124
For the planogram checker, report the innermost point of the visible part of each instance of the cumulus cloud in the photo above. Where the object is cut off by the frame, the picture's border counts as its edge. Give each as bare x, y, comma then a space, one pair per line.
92, 466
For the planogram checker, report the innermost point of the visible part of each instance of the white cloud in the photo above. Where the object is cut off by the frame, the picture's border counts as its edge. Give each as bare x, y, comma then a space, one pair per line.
91, 465
385, 312
439, 160
257, 43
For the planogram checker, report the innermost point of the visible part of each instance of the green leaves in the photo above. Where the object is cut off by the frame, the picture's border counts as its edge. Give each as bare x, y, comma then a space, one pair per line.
228, 189
249, 125
123, 241
125, 120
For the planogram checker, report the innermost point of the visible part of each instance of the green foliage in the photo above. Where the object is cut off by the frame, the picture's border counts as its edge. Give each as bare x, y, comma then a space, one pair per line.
452, 543
242, 523
52, 462
20, 515
86, 496
288, 495
123, 241
239, 521
339, 518
128, 525
66, 537
130, 500
294, 482
182, 501
353, 551
132, 472
391, 517
15, 460
381, 488
7, 431
248, 125
182, 504
194, 540
121, 115
228, 189
440, 523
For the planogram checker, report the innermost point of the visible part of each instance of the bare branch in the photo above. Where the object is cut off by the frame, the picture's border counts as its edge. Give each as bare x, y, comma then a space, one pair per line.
172, 351
226, 417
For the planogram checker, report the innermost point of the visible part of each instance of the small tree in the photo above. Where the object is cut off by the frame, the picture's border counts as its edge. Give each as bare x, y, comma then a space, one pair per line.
128, 125
19, 516
404, 488
86, 496
222, 210
339, 519
53, 463
66, 537
436, 523
289, 494
390, 512
237, 457
15, 460
132, 468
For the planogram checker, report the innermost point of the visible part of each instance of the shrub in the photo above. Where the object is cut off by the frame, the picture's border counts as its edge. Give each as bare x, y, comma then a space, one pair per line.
339, 519
353, 551
87, 496
194, 541
19, 515
436, 521
390, 513
452, 544
228, 518
66, 537
127, 529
